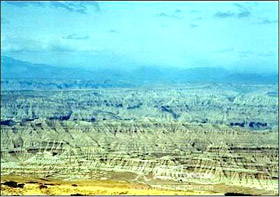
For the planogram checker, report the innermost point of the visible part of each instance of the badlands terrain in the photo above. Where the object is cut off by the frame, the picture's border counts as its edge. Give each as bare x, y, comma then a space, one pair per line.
186, 139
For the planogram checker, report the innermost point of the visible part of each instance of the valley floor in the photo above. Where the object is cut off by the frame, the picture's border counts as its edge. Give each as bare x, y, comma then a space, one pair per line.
35, 186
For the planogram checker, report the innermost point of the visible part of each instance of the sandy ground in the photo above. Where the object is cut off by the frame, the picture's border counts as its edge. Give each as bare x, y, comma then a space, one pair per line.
33, 186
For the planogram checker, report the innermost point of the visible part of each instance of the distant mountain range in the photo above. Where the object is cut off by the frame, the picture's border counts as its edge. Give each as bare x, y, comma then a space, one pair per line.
15, 69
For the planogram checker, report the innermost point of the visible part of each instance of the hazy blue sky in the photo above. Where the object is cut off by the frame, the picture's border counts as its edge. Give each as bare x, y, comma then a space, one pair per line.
240, 35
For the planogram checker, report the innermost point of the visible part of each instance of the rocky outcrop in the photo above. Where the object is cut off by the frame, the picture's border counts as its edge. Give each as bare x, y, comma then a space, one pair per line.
233, 105
179, 153
223, 136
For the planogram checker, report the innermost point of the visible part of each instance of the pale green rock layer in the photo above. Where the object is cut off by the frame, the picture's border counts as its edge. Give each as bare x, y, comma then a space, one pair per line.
214, 138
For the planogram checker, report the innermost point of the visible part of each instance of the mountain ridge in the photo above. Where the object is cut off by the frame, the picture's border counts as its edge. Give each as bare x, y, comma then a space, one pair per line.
16, 69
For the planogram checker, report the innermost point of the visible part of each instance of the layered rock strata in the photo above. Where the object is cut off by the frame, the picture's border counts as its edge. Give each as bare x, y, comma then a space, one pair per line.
172, 156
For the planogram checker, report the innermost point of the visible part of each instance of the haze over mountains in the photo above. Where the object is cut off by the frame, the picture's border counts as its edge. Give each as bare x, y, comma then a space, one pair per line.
16, 69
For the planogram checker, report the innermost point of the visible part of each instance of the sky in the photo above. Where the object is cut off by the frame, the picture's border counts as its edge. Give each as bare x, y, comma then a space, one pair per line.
235, 35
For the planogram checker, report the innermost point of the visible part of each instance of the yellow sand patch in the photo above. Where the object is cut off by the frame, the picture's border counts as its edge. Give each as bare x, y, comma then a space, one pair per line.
55, 187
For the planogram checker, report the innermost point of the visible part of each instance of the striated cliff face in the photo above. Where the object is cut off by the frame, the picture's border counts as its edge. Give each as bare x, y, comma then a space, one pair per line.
209, 138
252, 107
172, 159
